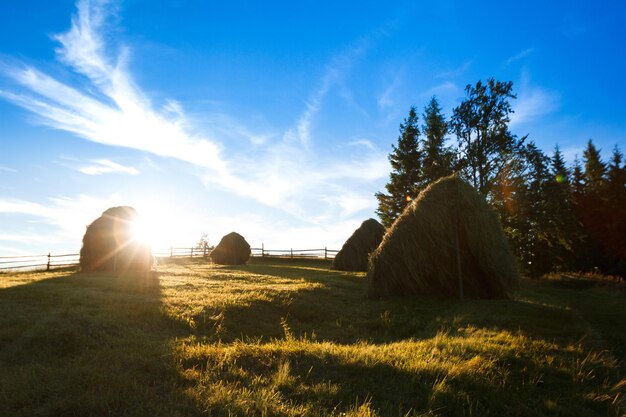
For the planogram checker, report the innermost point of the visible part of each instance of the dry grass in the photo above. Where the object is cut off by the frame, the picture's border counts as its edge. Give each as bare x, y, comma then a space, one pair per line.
279, 337
449, 230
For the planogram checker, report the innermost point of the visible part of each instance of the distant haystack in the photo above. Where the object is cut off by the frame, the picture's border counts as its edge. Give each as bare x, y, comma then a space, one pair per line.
447, 225
355, 252
108, 244
232, 250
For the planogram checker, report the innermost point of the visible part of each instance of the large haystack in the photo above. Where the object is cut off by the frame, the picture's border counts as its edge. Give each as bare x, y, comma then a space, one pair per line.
108, 244
232, 250
419, 256
355, 252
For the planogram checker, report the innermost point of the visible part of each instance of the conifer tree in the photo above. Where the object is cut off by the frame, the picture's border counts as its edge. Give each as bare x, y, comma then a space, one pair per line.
438, 159
406, 163
614, 239
595, 169
565, 234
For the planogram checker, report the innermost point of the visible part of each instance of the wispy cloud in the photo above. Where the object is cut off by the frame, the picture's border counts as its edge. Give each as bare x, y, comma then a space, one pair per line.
7, 169
282, 171
533, 104
441, 89
68, 215
455, 72
520, 55
385, 99
105, 166
117, 113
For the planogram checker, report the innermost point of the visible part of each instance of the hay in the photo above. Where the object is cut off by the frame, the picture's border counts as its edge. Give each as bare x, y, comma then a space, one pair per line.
232, 250
108, 244
418, 255
354, 254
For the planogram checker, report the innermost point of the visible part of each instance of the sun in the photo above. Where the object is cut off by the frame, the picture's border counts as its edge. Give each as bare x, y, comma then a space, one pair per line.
141, 232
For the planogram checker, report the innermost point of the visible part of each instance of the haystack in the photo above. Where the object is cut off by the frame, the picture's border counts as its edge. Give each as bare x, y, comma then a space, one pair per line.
448, 228
232, 250
355, 252
108, 244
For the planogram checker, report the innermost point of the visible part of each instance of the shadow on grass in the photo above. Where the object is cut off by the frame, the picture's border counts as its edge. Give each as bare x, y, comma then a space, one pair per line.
338, 311
89, 345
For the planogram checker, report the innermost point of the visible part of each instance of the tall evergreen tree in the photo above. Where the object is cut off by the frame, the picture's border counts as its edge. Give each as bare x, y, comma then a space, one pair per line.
406, 163
614, 239
595, 169
438, 159
565, 233
591, 206
480, 124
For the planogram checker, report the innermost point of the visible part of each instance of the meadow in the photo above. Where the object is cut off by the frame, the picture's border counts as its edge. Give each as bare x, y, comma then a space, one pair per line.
294, 338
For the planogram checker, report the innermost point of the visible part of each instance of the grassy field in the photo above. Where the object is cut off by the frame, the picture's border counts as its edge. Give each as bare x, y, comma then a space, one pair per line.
279, 337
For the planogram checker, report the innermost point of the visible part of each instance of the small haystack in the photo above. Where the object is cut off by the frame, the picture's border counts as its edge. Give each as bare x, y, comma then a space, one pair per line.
232, 250
447, 228
108, 244
355, 252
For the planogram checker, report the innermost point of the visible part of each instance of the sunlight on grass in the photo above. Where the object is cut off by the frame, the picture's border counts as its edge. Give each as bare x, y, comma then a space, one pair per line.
296, 339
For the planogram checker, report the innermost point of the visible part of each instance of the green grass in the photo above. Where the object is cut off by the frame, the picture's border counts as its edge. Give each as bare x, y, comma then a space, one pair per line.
280, 337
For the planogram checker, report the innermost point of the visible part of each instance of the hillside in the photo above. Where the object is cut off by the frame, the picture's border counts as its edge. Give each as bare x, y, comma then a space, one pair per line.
279, 337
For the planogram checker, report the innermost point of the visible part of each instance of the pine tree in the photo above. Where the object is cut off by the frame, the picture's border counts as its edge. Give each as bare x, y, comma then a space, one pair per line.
592, 205
614, 239
405, 178
565, 234
595, 169
438, 159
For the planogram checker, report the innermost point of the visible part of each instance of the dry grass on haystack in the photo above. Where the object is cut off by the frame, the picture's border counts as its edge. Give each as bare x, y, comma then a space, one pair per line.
232, 250
446, 239
354, 254
109, 244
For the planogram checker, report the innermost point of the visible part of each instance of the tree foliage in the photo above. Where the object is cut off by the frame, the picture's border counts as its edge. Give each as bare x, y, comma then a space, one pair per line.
555, 217
406, 163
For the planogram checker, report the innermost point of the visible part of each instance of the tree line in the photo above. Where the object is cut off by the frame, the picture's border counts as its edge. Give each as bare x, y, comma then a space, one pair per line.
556, 217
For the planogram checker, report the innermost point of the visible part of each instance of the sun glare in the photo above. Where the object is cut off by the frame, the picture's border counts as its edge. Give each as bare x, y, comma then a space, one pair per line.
142, 232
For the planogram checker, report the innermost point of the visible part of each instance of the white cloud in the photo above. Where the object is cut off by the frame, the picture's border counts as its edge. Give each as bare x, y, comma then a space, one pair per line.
441, 89
455, 72
7, 169
282, 171
533, 103
105, 166
520, 55
386, 99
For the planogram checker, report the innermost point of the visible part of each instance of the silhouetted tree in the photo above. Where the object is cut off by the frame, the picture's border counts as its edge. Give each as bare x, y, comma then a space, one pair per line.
614, 239
480, 124
565, 234
406, 164
438, 159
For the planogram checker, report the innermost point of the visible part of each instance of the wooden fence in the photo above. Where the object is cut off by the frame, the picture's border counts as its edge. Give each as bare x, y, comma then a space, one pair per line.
50, 261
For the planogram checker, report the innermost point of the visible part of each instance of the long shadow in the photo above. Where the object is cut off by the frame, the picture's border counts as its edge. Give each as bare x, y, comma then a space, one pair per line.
337, 311
102, 345
88, 345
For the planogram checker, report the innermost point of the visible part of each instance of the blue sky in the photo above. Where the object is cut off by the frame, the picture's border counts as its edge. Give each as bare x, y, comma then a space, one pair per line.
272, 120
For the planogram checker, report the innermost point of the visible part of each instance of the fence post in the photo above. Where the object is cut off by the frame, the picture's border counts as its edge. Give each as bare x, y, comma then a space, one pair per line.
325, 253
291, 253
192, 251
262, 250
171, 251
48, 265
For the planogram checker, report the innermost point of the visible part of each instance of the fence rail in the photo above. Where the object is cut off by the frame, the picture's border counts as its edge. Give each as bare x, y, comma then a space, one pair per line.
49, 261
